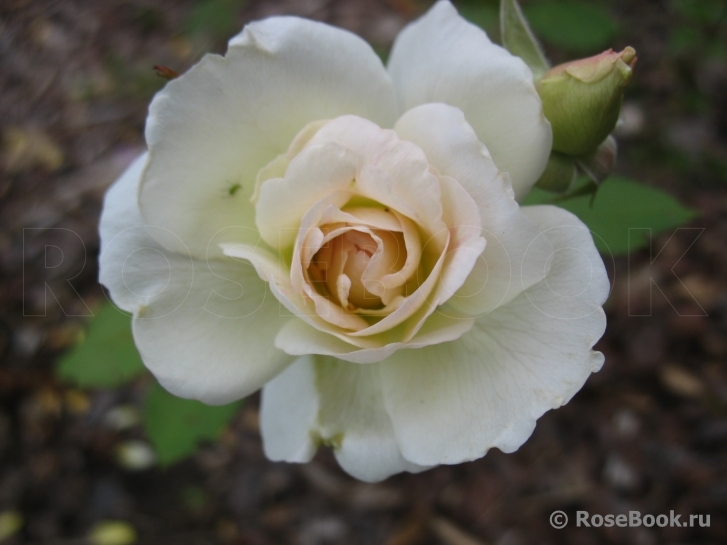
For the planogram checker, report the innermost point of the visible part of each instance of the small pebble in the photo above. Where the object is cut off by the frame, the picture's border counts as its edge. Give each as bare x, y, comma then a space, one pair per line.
135, 456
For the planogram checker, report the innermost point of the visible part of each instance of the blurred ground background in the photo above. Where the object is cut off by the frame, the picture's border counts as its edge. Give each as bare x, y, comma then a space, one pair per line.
647, 433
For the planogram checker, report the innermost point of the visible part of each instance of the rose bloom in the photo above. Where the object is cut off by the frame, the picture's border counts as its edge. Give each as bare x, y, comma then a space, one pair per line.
348, 237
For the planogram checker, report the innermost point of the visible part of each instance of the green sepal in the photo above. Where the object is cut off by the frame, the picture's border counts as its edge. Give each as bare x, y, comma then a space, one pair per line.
599, 164
519, 40
560, 174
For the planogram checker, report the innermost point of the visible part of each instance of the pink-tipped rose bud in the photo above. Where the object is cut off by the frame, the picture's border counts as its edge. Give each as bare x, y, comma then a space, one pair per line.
582, 99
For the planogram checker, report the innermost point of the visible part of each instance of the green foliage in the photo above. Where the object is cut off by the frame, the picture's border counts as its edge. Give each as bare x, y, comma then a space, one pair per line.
576, 26
621, 204
195, 498
175, 425
685, 39
149, 18
717, 166
483, 14
519, 40
107, 356
382, 52
133, 81
704, 11
214, 18
700, 28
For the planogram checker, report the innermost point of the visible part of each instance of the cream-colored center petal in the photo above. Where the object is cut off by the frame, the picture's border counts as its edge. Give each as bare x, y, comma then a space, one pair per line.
353, 263
372, 233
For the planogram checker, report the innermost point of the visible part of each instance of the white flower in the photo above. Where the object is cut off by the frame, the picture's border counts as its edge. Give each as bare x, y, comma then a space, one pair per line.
348, 238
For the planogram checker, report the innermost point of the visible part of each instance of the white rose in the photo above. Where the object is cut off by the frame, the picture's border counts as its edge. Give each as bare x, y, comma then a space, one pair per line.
349, 239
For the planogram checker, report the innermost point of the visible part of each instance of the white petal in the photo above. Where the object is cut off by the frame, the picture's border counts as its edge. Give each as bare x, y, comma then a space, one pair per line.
577, 283
452, 402
277, 167
390, 171
133, 266
501, 272
206, 330
318, 172
465, 245
339, 404
443, 58
299, 338
271, 269
417, 198
452, 147
218, 344
288, 412
212, 129
375, 218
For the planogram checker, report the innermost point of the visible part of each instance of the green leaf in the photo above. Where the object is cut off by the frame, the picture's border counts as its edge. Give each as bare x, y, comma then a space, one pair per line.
214, 18
482, 14
573, 25
519, 40
685, 39
621, 204
705, 11
175, 425
107, 357
382, 51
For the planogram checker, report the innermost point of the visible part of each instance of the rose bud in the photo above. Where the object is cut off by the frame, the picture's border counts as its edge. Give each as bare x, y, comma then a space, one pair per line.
582, 99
